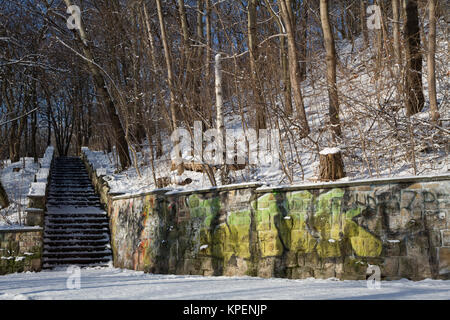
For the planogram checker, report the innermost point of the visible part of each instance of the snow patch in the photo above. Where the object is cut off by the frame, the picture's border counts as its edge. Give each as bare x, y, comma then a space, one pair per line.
327, 151
37, 189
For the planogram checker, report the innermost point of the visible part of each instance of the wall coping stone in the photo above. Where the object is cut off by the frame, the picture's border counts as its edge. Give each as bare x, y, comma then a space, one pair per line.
175, 192
261, 188
24, 229
354, 183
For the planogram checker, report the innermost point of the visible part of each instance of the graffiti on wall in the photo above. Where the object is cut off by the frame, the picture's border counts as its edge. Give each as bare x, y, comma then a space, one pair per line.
369, 222
303, 222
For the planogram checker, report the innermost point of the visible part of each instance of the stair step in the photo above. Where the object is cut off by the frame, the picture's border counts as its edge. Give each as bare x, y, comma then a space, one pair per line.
69, 220
76, 248
69, 180
77, 254
70, 184
48, 266
74, 210
86, 242
64, 261
73, 190
68, 194
103, 230
75, 203
76, 216
79, 199
62, 236
90, 231
57, 214
62, 195
76, 228
73, 198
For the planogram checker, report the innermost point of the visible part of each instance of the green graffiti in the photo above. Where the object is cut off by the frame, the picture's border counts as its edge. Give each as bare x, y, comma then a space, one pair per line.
223, 240
304, 223
203, 208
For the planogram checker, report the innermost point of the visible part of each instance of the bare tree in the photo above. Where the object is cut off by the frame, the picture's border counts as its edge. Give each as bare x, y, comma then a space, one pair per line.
100, 85
332, 166
431, 63
254, 56
170, 76
4, 201
414, 99
396, 30
294, 69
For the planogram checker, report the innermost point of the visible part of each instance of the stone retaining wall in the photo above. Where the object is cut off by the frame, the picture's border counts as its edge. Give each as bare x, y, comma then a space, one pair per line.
321, 230
20, 250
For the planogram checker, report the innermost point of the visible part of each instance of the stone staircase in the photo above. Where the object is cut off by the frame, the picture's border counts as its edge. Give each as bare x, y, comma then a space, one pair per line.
76, 230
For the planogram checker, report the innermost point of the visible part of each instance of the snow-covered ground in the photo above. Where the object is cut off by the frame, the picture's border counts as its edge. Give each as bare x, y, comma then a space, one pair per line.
16, 179
110, 283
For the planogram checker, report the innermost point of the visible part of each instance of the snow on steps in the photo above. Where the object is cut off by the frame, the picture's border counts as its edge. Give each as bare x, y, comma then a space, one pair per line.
76, 228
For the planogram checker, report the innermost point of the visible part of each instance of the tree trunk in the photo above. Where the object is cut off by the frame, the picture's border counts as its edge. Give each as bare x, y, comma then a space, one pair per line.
49, 127
331, 164
303, 39
287, 89
431, 60
220, 124
100, 85
396, 31
170, 80
287, 16
4, 201
260, 121
208, 58
185, 31
414, 90
363, 21
33, 141
331, 69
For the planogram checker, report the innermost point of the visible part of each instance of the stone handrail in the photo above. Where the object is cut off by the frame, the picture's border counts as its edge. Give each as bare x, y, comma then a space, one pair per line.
37, 195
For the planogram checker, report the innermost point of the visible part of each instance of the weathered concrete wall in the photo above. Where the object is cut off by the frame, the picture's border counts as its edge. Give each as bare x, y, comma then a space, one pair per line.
322, 231
20, 250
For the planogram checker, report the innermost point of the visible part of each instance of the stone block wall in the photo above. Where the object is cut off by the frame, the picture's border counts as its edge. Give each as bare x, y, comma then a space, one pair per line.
321, 231
20, 250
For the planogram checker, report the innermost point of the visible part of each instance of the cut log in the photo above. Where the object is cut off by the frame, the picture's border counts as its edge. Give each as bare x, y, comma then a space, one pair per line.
331, 165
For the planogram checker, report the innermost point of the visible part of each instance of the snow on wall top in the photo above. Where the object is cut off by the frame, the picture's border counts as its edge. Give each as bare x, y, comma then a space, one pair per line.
37, 189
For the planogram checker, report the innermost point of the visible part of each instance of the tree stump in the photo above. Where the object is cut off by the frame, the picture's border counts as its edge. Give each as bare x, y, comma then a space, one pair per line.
331, 165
